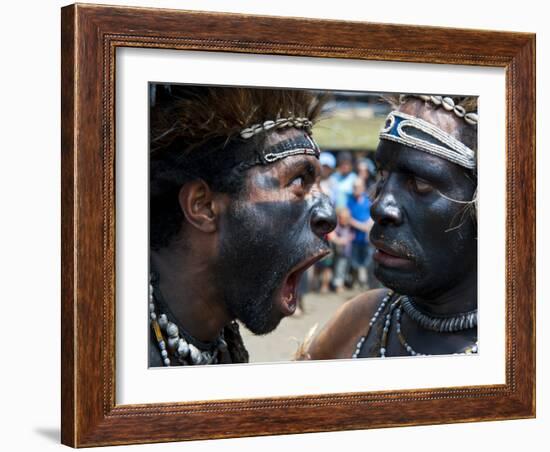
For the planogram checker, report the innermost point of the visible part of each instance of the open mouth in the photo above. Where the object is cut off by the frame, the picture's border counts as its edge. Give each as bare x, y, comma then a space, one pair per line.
393, 257
289, 292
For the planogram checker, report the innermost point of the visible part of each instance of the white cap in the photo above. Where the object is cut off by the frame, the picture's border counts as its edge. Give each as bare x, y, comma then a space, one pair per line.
327, 159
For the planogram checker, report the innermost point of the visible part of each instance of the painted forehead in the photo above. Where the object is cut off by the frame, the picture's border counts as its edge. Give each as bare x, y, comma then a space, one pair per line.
281, 142
292, 142
393, 156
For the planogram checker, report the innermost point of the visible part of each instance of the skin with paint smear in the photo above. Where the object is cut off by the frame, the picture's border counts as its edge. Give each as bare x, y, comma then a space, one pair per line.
240, 256
281, 224
434, 234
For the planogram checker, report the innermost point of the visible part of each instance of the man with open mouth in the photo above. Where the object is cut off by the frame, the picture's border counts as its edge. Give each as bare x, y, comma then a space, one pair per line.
236, 215
425, 235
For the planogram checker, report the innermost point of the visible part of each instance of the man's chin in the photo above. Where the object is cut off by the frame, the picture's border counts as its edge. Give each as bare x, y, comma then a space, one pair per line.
261, 328
261, 318
400, 281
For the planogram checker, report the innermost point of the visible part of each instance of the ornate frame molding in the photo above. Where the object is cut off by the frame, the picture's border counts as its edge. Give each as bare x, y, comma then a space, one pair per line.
90, 36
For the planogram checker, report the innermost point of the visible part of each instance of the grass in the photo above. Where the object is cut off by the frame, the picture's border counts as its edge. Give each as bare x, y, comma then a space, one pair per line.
348, 132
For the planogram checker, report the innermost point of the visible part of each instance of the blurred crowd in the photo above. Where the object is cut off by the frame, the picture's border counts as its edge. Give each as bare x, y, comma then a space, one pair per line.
348, 179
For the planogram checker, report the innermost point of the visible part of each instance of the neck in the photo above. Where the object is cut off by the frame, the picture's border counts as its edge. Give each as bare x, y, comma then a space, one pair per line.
186, 283
461, 298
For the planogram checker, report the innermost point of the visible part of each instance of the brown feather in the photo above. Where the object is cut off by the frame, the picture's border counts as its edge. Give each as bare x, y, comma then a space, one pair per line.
194, 115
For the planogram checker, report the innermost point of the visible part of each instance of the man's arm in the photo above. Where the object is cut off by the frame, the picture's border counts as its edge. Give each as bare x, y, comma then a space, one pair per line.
362, 226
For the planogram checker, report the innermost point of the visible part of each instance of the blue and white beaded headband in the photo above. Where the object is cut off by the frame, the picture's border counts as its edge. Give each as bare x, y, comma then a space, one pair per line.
446, 146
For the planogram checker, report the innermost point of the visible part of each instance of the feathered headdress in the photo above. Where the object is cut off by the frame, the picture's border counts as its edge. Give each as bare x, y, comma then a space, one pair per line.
216, 134
188, 117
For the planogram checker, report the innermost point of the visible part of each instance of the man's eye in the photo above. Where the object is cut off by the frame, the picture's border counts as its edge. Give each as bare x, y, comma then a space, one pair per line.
420, 185
297, 182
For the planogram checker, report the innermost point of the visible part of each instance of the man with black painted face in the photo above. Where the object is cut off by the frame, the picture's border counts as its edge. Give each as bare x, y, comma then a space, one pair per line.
425, 235
237, 216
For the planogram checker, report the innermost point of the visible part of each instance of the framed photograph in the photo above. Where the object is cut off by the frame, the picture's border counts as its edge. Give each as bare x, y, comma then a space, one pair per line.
267, 231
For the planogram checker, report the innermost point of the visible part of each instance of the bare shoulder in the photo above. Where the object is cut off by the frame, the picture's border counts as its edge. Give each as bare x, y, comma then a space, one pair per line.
339, 336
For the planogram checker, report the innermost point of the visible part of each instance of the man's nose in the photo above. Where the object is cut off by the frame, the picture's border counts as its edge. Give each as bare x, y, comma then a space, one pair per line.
323, 218
385, 209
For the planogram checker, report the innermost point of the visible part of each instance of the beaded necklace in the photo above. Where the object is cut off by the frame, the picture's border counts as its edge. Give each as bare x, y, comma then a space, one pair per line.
174, 343
441, 324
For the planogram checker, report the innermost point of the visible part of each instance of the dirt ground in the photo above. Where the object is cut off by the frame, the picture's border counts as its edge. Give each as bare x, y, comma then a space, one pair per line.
281, 344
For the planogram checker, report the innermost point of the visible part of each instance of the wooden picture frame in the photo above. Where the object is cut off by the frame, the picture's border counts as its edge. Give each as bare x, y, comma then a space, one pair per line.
90, 36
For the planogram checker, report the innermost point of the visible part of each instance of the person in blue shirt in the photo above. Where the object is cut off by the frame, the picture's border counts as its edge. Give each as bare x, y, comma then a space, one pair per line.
343, 178
359, 207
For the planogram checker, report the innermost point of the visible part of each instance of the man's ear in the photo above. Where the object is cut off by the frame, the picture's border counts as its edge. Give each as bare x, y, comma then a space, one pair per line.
198, 204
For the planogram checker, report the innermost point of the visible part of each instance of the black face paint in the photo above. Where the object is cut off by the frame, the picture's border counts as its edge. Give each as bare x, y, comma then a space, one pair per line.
426, 242
267, 182
298, 145
260, 244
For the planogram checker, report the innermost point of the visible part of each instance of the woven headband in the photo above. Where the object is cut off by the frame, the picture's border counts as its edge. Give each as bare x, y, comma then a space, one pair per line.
441, 144
303, 144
